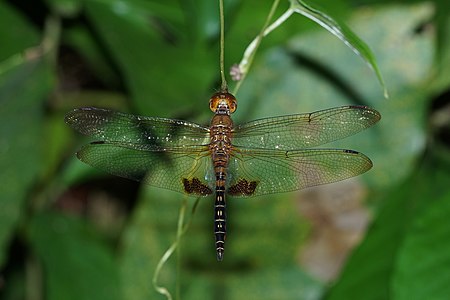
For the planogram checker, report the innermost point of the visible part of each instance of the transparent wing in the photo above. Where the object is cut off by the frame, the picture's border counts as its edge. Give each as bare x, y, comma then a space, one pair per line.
108, 125
183, 169
304, 130
260, 172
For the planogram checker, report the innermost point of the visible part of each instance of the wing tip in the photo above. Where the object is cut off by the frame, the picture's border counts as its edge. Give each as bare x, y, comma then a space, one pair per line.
368, 109
368, 161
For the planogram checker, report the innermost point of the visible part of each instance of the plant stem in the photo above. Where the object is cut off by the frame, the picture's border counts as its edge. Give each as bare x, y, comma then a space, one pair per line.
250, 52
224, 86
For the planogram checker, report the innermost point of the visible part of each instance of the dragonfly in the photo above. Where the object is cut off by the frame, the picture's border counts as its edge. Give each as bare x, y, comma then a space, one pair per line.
260, 157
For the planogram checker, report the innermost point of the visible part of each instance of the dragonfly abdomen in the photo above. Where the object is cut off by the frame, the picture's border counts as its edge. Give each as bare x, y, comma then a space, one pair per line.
220, 215
220, 222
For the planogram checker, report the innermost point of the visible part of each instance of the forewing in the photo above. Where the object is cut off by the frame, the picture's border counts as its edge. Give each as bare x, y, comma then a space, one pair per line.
304, 130
182, 169
260, 172
110, 126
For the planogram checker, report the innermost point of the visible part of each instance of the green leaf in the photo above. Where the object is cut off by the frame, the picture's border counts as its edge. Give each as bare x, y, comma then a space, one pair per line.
159, 63
368, 272
11, 44
203, 16
23, 88
442, 65
419, 268
77, 264
342, 32
406, 246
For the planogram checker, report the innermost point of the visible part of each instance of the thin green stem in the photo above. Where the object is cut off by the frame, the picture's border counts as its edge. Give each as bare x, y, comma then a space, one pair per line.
224, 86
160, 289
250, 52
181, 230
52, 37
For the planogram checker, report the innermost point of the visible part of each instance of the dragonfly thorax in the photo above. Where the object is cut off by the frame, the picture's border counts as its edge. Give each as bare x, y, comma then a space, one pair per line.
223, 103
221, 124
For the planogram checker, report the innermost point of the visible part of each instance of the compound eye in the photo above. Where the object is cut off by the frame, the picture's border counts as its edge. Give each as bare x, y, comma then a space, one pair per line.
232, 104
213, 103
223, 100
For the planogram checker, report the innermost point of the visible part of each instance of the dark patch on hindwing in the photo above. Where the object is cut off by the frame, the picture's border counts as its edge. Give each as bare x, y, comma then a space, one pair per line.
195, 186
243, 188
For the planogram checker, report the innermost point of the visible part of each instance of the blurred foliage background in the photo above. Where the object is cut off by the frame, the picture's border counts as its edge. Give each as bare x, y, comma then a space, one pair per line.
68, 231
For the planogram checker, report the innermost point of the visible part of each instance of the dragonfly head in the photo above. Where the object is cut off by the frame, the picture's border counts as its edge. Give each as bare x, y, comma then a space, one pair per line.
223, 103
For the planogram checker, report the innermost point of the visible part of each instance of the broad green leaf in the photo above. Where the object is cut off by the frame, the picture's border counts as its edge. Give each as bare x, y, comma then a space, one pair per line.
12, 26
204, 18
22, 92
420, 266
442, 65
342, 32
368, 271
77, 264
160, 65
406, 246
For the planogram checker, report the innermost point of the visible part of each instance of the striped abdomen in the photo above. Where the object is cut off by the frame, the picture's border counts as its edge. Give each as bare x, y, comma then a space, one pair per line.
220, 147
220, 221
220, 161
